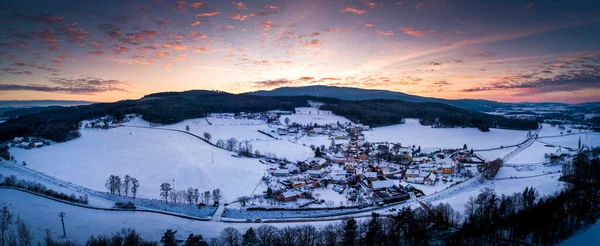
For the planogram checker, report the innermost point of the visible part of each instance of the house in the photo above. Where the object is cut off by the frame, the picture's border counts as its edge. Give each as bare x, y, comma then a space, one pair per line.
315, 173
281, 172
293, 130
362, 156
38, 144
18, 140
430, 179
316, 162
350, 165
24, 145
382, 184
290, 195
298, 184
338, 158
339, 175
292, 168
416, 180
318, 130
282, 132
412, 173
430, 168
365, 128
448, 168
372, 176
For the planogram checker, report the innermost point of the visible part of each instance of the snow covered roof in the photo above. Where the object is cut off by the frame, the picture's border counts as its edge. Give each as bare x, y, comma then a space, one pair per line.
431, 176
370, 175
315, 172
19, 139
281, 171
340, 173
381, 184
291, 193
412, 171
291, 167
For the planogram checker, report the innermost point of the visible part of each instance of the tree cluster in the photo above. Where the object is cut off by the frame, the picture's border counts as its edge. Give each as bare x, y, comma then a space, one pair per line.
12, 181
127, 186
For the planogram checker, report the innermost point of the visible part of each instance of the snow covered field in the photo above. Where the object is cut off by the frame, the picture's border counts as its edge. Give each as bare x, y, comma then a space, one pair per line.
545, 185
152, 156
572, 141
308, 115
533, 154
40, 214
414, 133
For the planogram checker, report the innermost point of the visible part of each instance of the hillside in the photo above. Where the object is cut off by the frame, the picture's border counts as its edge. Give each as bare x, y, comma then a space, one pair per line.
62, 124
357, 94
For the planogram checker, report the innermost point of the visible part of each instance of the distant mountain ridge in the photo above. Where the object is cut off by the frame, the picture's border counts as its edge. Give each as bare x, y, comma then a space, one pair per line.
358, 94
40, 103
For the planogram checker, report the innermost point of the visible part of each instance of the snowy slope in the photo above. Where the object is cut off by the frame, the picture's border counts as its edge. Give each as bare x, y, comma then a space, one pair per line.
242, 129
152, 156
40, 214
413, 133
308, 115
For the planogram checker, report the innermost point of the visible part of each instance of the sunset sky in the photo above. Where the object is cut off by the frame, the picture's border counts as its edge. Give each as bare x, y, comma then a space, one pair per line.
103, 50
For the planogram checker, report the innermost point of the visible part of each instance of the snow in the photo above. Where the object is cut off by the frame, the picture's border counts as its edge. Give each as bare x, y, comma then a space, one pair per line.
308, 115
40, 214
591, 139
245, 129
533, 154
491, 155
526, 171
545, 185
413, 133
152, 156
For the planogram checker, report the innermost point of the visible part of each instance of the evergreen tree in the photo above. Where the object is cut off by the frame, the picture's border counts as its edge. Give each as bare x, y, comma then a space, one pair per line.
373, 232
249, 238
168, 239
194, 240
350, 231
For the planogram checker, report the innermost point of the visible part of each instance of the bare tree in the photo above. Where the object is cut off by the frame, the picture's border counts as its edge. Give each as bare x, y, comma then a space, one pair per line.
196, 195
216, 195
189, 195
135, 185
207, 136
230, 236
113, 184
165, 188
267, 235
220, 143
330, 235
173, 195
206, 197
187, 128
118, 184
5, 221
230, 144
126, 182
243, 200
23, 232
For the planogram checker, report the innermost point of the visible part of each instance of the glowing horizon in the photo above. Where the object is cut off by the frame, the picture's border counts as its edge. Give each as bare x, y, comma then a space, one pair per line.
509, 51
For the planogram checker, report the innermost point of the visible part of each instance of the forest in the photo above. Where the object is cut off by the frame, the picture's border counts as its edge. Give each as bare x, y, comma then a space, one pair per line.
61, 124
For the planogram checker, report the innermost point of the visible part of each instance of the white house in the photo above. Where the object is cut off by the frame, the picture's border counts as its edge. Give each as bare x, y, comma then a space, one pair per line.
382, 184
292, 168
38, 144
315, 173
370, 176
24, 145
18, 140
318, 130
281, 172
282, 131
430, 179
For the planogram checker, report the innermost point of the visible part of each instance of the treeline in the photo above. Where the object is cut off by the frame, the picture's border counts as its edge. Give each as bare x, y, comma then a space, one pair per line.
585, 167
61, 124
384, 112
35, 187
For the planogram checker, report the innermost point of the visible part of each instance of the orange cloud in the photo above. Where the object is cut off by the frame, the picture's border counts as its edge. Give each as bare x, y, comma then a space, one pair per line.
268, 6
208, 14
239, 17
181, 57
175, 46
262, 62
200, 49
196, 5
416, 33
160, 55
292, 52
368, 25
196, 35
314, 42
388, 33
371, 4
349, 9
197, 23
239, 5
267, 25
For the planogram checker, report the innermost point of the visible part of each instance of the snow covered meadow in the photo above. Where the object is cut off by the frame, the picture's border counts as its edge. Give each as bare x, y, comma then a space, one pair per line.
152, 156
413, 133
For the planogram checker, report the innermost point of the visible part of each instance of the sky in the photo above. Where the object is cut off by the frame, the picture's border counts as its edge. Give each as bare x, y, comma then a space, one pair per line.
104, 50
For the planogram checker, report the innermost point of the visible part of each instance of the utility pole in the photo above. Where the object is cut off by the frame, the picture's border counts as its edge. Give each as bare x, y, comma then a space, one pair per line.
62, 220
173, 183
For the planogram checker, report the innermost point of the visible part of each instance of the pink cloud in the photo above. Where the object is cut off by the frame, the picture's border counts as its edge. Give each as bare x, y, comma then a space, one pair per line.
416, 33
371, 4
313, 43
239, 17
196, 5
196, 35
196, 23
384, 33
208, 14
368, 25
164, 22
239, 5
352, 10
268, 25
200, 49
181, 57
268, 6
